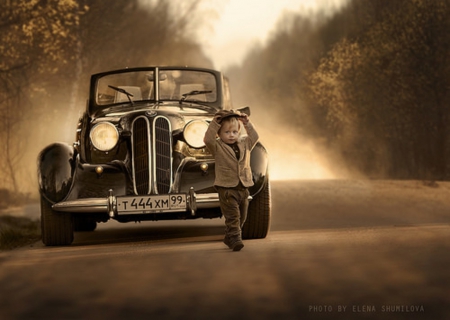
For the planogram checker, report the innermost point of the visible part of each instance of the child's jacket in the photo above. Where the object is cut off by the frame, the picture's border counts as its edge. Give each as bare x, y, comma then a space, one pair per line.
229, 170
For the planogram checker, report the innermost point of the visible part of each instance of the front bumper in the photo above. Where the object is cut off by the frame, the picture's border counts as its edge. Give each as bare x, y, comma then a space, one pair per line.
109, 204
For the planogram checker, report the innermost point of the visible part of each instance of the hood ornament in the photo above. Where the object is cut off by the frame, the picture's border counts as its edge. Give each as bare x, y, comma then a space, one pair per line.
151, 113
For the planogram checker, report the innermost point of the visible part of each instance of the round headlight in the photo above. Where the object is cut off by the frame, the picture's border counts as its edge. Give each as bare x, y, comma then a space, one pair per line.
104, 136
194, 132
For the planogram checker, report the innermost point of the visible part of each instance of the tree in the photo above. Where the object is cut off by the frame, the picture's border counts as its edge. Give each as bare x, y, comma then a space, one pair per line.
394, 90
32, 35
370, 81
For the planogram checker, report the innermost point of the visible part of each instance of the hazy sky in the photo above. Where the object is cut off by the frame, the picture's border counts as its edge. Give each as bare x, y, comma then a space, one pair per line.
240, 24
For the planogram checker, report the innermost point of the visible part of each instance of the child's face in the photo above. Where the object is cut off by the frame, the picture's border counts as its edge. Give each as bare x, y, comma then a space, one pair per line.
229, 132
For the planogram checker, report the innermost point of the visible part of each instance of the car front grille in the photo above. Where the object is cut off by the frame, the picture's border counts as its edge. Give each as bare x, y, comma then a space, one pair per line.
163, 154
152, 155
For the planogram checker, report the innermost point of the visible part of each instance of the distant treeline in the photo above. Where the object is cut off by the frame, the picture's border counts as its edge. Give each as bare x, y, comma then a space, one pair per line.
372, 82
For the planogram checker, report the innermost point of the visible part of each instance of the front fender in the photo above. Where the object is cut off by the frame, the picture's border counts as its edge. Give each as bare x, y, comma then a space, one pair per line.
259, 162
55, 171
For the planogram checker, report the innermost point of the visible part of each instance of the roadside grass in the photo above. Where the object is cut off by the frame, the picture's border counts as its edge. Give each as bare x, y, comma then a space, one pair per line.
18, 231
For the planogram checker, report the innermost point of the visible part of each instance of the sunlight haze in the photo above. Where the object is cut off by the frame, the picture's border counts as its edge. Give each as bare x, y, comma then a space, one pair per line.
241, 24
232, 29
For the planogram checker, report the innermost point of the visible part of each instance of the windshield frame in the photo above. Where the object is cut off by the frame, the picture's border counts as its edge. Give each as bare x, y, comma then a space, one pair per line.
99, 82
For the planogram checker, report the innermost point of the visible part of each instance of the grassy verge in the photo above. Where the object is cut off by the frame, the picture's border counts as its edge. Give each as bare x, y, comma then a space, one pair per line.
18, 231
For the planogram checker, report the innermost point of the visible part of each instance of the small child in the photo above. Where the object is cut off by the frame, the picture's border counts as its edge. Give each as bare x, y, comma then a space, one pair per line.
233, 172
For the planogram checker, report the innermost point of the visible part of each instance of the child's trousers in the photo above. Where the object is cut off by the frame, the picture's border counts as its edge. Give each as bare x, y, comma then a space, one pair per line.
234, 206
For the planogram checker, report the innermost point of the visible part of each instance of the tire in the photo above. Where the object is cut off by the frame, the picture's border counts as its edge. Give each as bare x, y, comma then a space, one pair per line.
259, 215
84, 224
56, 227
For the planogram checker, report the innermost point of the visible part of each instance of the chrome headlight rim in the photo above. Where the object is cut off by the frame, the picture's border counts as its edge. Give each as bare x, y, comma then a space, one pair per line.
112, 136
194, 132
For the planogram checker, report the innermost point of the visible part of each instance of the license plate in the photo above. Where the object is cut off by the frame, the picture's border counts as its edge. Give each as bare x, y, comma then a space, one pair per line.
151, 204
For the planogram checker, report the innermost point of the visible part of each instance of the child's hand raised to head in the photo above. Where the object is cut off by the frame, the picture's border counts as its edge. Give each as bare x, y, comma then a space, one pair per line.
244, 118
217, 118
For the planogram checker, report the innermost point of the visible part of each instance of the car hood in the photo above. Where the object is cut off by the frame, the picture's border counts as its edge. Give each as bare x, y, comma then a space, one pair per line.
178, 116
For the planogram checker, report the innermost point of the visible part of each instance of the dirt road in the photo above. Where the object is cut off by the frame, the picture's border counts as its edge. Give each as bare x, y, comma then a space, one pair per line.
338, 249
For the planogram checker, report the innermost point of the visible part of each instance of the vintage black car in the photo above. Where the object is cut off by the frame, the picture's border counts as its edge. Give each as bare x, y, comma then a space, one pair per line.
139, 155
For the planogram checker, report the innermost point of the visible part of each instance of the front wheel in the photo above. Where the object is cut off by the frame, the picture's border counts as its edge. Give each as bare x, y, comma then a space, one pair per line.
259, 214
57, 227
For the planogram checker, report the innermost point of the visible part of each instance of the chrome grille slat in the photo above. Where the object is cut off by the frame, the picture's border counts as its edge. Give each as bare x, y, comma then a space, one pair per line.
163, 154
141, 156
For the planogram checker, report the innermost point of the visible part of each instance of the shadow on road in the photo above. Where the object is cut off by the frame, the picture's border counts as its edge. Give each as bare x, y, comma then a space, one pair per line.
150, 231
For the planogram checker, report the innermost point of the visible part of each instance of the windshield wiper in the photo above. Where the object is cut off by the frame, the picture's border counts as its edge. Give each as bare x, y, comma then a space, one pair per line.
121, 90
193, 93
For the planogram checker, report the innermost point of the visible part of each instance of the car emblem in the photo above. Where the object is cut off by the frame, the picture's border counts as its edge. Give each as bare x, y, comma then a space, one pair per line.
151, 113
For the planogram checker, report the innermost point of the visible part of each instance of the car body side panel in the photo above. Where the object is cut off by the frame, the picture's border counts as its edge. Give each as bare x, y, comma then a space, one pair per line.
259, 163
90, 184
190, 175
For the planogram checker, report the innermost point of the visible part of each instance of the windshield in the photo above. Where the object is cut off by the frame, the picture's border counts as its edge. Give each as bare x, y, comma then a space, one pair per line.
177, 85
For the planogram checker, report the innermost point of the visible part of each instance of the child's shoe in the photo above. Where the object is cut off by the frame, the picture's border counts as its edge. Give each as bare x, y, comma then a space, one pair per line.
237, 245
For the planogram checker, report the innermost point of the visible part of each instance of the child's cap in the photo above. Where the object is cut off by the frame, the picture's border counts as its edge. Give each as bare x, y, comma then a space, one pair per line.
228, 113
